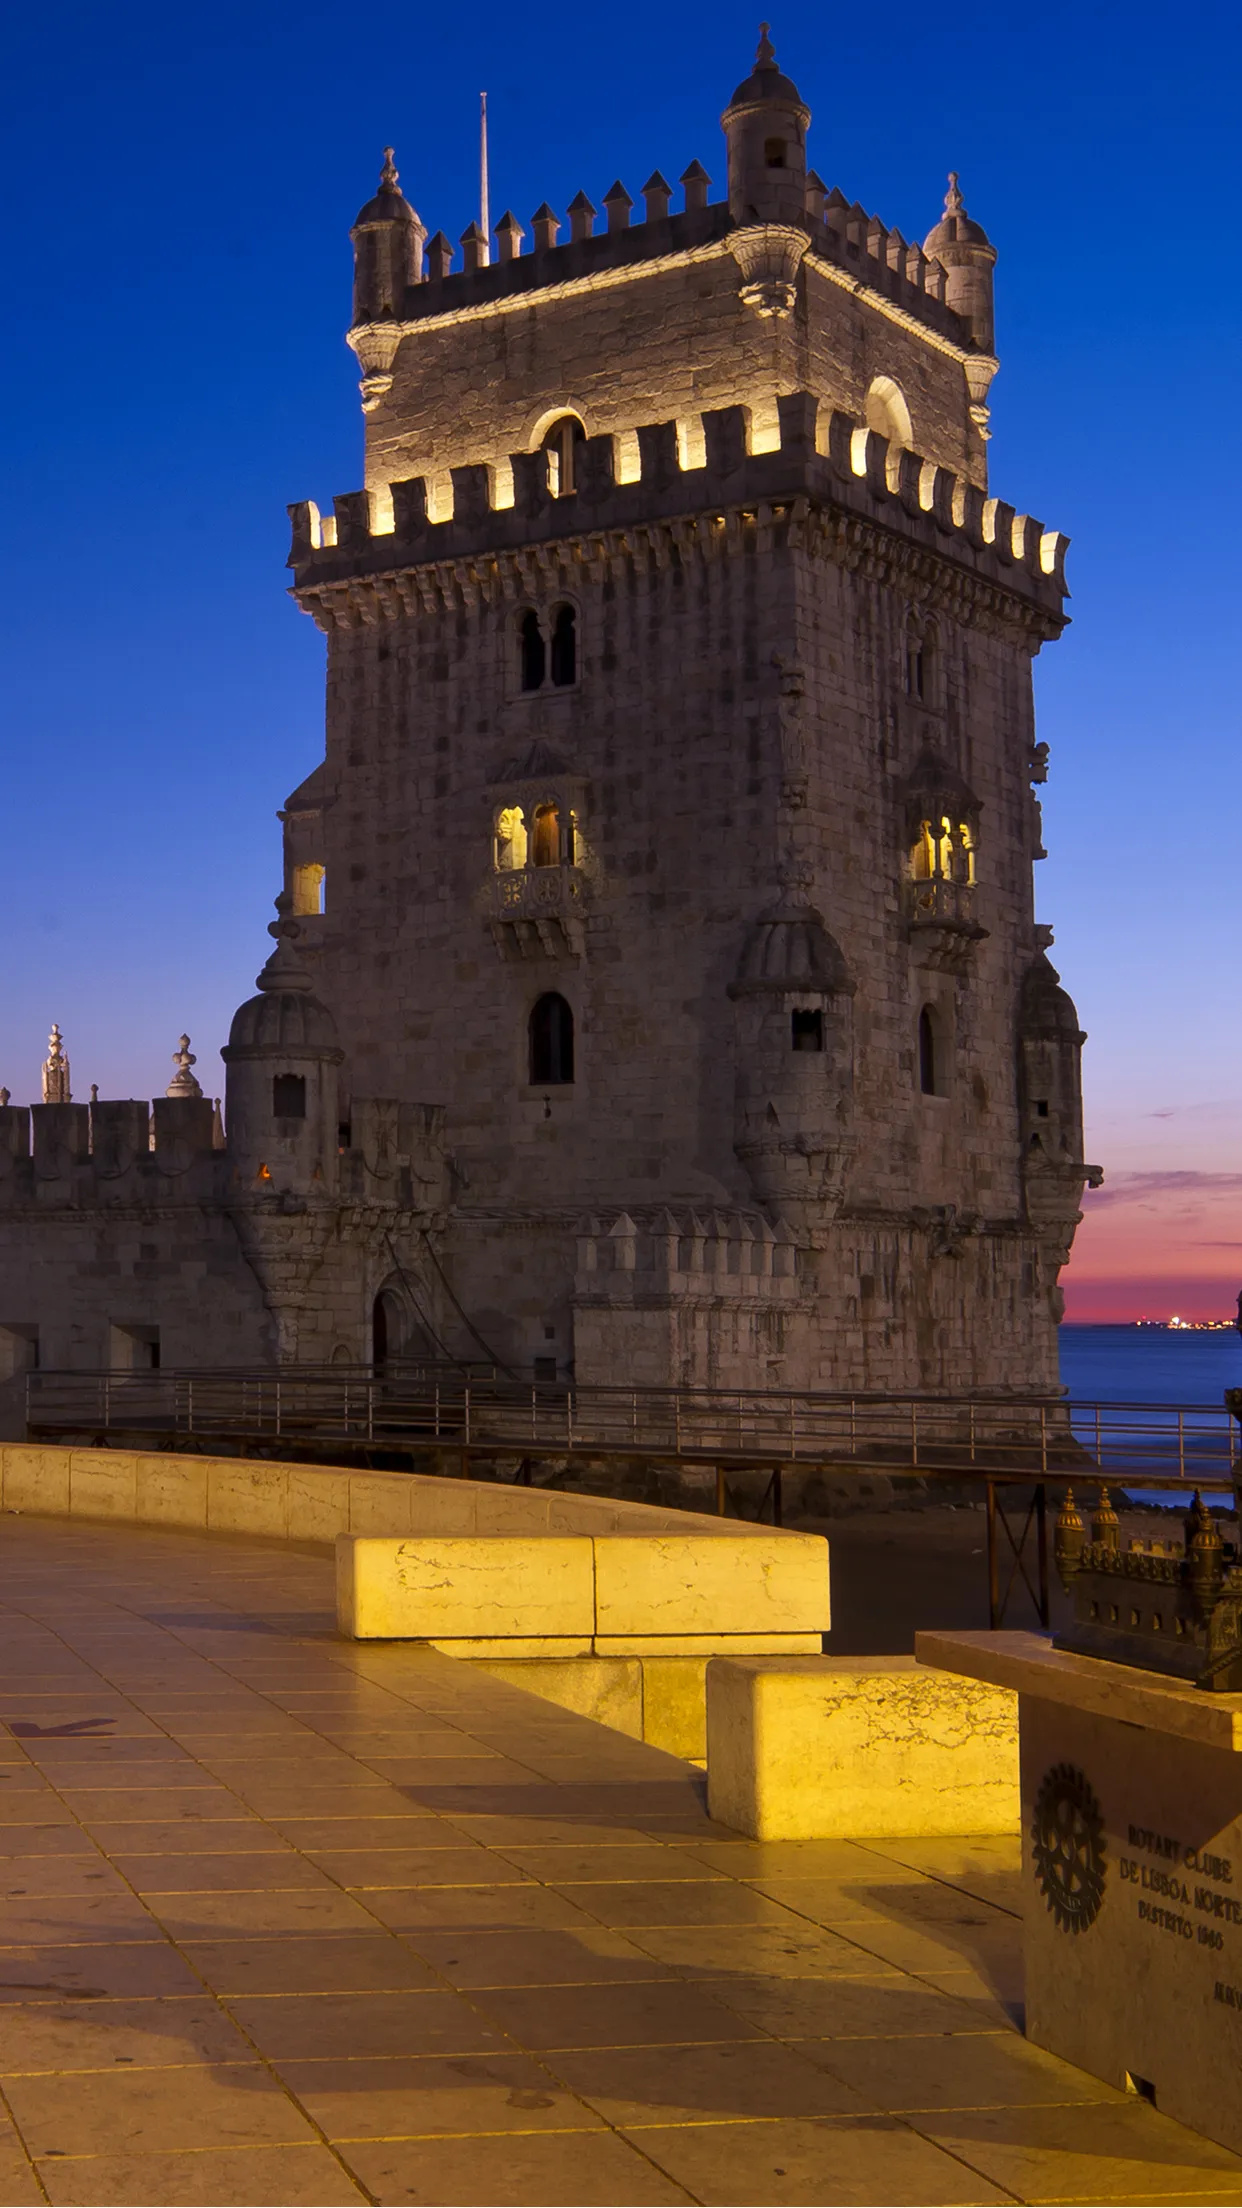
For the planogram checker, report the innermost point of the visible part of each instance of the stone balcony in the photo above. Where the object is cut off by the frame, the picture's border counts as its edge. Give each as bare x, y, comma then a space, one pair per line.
943, 922
537, 911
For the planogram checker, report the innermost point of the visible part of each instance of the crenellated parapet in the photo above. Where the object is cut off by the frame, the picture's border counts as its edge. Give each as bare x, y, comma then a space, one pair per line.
826, 462
733, 1257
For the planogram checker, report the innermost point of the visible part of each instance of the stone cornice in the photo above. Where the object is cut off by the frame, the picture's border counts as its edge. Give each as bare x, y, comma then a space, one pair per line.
818, 527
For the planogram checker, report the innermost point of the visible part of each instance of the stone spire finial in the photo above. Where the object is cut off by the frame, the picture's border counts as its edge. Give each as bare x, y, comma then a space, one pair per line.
183, 1082
4, 1100
56, 1070
953, 201
765, 58
283, 970
389, 178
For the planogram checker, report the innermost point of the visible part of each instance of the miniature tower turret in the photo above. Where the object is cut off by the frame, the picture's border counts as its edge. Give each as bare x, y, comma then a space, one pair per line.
388, 241
765, 126
964, 249
281, 1099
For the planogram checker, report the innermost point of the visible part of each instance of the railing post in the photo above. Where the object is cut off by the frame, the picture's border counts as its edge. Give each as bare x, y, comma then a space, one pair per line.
1181, 1446
466, 1406
370, 1410
993, 1571
777, 1510
189, 1406
914, 1433
1041, 1522
720, 1491
1043, 1443
278, 1403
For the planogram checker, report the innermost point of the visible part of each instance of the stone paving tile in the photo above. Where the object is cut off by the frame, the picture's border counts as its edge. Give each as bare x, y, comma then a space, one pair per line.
415, 1908
93, 2035
92, 1972
497, 1953
748, 2079
588, 1955
230, 1870
1089, 2152
444, 1858
567, 2169
422, 2096
321, 1963
320, 2026
868, 2159
654, 2013
58, 1874
264, 2177
200, 2105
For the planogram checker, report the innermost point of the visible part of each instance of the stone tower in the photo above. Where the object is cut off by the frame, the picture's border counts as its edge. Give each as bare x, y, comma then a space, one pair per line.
675, 826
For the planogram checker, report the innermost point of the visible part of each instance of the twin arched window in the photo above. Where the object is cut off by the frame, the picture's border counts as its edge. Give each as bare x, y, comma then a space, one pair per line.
544, 837
554, 651
551, 1039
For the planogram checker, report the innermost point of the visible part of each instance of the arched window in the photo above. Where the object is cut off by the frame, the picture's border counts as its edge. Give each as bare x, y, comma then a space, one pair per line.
551, 1042
289, 1096
387, 1329
547, 838
308, 889
886, 412
774, 153
534, 652
510, 840
807, 1030
930, 1072
564, 647
560, 442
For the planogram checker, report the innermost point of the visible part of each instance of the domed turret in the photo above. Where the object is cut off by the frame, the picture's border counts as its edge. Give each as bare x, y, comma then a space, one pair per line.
388, 241
282, 1057
963, 248
765, 126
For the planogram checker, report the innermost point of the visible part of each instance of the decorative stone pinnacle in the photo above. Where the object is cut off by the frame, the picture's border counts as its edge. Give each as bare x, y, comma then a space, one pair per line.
4, 1099
766, 56
56, 1070
953, 202
389, 178
183, 1082
283, 969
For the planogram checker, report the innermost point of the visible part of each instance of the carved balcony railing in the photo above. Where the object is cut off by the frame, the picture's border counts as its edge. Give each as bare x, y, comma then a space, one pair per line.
943, 923
537, 911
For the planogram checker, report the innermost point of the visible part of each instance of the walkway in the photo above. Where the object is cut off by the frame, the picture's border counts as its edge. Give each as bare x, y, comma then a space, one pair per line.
289, 1920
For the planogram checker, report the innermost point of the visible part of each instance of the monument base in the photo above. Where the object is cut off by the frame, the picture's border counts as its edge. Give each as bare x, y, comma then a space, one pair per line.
1131, 1789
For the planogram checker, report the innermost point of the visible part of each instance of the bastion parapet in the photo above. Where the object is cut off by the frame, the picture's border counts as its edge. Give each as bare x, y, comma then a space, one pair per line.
824, 457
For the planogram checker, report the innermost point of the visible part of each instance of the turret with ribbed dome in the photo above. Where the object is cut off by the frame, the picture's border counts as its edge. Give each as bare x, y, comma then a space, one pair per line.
765, 126
963, 247
282, 1057
388, 241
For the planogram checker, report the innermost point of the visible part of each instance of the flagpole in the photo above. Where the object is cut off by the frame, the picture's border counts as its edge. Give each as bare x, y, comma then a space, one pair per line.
484, 211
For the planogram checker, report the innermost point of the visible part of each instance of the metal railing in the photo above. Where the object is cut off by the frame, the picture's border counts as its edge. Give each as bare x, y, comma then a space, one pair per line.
1000, 1438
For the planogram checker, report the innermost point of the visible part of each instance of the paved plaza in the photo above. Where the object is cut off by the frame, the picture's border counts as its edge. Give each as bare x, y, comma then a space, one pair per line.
290, 1919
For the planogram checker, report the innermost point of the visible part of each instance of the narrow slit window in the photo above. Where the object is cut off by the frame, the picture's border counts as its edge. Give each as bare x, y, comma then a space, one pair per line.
928, 1068
774, 153
807, 1030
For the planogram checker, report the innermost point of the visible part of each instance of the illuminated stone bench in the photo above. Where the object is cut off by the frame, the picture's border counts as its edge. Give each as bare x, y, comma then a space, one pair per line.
842, 1747
1132, 1870
686, 1593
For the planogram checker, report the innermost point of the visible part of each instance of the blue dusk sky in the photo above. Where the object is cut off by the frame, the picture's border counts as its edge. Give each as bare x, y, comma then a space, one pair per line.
177, 190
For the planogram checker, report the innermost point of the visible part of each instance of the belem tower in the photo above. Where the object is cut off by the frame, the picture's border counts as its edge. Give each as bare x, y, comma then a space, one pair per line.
656, 993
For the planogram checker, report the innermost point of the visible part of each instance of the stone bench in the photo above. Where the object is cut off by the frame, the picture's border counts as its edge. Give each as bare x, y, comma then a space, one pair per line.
842, 1747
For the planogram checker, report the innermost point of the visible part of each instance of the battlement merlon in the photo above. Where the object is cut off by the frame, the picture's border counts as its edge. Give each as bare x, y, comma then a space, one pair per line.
832, 460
